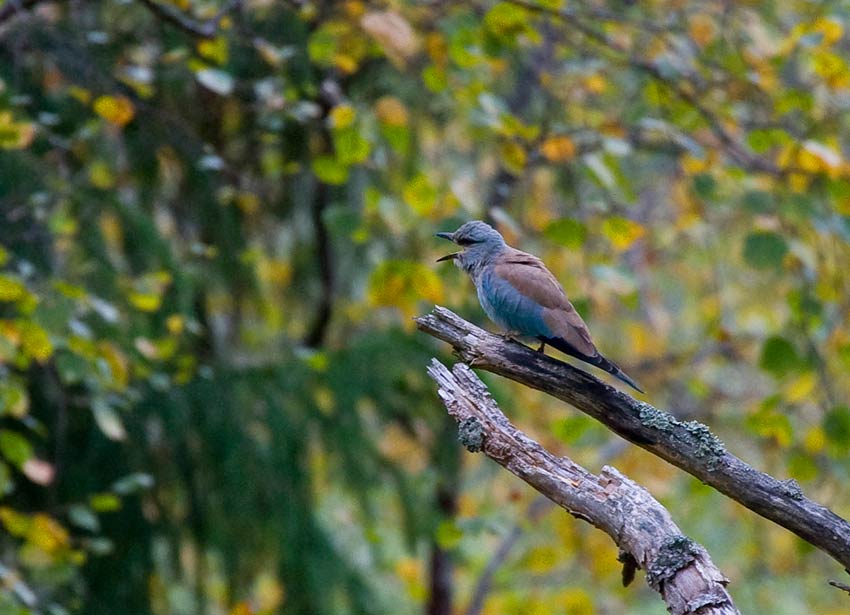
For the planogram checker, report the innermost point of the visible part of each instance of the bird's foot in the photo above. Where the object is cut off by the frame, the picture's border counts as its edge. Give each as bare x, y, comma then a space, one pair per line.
542, 347
510, 336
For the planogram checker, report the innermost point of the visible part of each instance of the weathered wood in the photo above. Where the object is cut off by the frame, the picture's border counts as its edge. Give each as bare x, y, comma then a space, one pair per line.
687, 445
677, 567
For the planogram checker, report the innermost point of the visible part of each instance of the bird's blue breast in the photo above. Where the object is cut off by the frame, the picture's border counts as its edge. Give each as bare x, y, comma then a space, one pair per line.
509, 308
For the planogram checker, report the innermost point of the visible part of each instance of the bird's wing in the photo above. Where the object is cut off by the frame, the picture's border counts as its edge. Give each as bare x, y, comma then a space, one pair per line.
529, 276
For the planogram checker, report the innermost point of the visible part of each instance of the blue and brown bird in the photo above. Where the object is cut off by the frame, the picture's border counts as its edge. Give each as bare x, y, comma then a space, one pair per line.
522, 296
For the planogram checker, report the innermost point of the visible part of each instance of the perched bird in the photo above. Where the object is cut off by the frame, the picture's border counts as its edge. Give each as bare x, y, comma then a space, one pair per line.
520, 295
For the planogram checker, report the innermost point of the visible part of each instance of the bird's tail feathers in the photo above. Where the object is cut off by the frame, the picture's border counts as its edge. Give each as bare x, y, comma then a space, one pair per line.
598, 361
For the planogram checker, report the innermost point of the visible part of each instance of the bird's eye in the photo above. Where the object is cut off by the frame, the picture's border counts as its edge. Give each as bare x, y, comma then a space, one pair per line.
465, 241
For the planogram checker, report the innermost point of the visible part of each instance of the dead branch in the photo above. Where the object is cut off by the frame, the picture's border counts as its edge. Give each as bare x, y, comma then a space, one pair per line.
687, 445
677, 567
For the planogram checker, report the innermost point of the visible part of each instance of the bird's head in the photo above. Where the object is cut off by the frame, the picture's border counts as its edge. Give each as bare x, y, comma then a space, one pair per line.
479, 240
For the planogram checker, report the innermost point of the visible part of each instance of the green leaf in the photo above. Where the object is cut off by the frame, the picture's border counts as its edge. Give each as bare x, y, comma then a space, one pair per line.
14, 447
571, 429
765, 250
568, 232
758, 201
448, 535
350, 146
704, 185
330, 170
836, 426
105, 502
771, 423
779, 357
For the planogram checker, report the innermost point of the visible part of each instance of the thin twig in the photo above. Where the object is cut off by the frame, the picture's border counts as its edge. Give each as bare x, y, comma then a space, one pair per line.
738, 152
208, 28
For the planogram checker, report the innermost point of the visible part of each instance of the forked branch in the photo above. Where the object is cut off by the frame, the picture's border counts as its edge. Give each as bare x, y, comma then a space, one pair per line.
677, 567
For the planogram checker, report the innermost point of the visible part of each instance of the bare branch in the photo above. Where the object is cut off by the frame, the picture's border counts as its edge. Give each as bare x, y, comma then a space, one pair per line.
208, 28
485, 581
684, 90
677, 567
687, 445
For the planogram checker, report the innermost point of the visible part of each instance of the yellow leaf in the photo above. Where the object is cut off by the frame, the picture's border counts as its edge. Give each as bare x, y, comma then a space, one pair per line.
242, 608
345, 63
215, 50
100, 175
702, 29
117, 363
622, 232
391, 111
596, 83
513, 156
47, 534
575, 601
402, 283
342, 116
146, 302
175, 324
117, 110
420, 194
830, 28
800, 388
354, 8
541, 560
409, 570
814, 440
11, 289
35, 343
558, 149
15, 135
248, 202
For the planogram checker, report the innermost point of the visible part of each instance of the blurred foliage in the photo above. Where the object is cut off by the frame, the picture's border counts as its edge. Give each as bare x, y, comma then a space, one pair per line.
216, 224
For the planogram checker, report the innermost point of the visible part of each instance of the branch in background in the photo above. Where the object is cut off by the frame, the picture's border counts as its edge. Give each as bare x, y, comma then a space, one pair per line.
208, 28
737, 151
330, 95
316, 334
687, 445
677, 567
485, 581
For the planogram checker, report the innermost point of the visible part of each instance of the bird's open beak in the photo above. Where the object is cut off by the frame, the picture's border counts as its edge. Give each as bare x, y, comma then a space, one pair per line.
447, 257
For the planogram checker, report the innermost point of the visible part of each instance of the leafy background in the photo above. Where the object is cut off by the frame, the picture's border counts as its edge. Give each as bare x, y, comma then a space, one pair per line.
217, 221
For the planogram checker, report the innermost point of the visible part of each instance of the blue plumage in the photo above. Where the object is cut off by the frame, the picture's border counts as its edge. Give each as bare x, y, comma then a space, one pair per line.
520, 295
509, 308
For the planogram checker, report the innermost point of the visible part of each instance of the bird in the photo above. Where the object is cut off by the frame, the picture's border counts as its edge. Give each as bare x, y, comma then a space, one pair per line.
522, 296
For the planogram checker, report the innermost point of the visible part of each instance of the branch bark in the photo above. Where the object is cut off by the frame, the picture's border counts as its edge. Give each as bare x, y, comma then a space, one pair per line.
687, 445
677, 567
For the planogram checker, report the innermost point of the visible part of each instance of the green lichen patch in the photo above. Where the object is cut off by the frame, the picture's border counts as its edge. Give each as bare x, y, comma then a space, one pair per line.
470, 433
676, 553
655, 418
